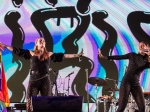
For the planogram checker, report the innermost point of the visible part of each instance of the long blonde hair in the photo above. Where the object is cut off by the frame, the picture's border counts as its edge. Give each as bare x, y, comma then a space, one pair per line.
37, 52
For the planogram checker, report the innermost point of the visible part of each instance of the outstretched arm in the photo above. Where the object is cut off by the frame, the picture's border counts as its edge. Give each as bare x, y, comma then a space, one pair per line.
74, 55
101, 56
114, 57
18, 51
6, 46
58, 57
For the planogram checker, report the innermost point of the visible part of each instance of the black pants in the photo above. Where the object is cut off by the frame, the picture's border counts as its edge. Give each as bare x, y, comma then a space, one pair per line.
137, 94
38, 83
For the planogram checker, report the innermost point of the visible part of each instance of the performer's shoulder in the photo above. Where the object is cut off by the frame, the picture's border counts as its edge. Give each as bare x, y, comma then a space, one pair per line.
132, 53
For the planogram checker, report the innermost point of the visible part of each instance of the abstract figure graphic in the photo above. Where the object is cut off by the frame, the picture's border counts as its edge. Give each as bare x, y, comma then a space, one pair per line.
11, 20
18, 38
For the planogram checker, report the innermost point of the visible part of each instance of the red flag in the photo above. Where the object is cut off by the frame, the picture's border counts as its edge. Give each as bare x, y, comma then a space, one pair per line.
3, 85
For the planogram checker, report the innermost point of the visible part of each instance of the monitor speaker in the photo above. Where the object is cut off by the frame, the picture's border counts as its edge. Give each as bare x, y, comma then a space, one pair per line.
57, 103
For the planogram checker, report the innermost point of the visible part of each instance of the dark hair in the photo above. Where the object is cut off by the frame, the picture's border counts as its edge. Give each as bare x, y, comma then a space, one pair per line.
146, 43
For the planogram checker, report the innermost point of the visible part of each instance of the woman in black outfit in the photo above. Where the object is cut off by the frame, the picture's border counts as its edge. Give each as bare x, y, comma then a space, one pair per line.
39, 67
130, 82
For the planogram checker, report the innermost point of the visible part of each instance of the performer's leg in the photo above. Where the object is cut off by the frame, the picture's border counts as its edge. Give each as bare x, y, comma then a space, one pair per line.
123, 96
138, 96
28, 105
31, 91
46, 87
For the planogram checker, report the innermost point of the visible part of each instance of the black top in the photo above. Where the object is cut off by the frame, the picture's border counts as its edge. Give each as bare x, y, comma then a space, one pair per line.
137, 63
35, 63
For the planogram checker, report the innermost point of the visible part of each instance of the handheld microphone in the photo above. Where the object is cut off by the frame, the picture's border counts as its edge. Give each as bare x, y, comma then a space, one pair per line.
69, 74
80, 57
145, 50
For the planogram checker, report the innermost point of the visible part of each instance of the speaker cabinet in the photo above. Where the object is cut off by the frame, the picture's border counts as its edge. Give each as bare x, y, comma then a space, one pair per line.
57, 103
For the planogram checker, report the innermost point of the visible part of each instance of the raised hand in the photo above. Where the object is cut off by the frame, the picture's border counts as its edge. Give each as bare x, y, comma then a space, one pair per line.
2, 46
100, 54
81, 53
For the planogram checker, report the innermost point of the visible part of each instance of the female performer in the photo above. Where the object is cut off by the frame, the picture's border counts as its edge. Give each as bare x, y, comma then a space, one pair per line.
39, 67
130, 82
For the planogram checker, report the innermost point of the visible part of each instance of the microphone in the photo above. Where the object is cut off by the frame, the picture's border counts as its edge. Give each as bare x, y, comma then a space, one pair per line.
69, 74
145, 50
80, 57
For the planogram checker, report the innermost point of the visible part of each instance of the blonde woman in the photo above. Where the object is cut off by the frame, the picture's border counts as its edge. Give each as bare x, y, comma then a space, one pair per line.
39, 67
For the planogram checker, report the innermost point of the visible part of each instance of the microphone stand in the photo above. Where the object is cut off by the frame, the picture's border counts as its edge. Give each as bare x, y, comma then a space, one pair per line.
86, 70
69, 81
113, 95
115, 86
56, 89
68, 84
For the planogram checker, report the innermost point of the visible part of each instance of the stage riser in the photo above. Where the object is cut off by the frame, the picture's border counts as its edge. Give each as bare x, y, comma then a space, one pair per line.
57, 104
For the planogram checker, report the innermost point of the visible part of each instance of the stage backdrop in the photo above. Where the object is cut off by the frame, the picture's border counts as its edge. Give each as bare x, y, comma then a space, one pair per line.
68, 26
